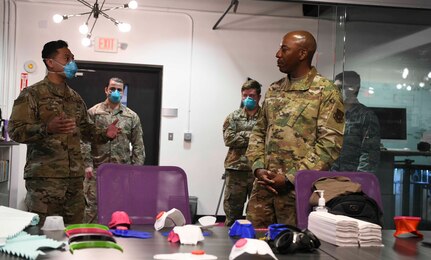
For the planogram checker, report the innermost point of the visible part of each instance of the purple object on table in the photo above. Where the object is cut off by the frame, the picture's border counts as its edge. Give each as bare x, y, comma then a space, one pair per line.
141, 191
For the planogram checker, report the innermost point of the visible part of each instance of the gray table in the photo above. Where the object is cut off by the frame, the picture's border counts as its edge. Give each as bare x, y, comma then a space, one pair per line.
394, 248
385, 174
220, 244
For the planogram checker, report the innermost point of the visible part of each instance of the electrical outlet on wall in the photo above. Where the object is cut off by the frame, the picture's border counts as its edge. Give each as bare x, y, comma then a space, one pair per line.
187, 136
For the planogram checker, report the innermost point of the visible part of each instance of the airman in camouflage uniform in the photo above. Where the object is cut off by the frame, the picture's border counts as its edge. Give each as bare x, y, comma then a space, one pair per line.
116, 150
236, 133
51, 119
361, 146
301, 127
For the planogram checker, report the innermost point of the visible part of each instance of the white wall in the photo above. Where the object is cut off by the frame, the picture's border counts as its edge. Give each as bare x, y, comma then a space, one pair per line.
203, 70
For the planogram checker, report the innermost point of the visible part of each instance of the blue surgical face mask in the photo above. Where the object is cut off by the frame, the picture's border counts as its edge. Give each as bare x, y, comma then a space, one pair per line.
115, 97
249, 103
69, 69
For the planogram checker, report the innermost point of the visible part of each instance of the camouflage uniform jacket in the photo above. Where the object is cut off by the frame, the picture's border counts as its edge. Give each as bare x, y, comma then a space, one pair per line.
301, 126
236, 132
118, 149
51, 155
361, 146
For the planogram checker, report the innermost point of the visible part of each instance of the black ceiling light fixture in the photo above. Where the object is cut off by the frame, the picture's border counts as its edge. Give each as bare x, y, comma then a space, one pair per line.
96, 11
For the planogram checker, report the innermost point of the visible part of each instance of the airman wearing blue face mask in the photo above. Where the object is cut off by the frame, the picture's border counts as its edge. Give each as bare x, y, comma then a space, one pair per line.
51, 119
126, 148
236, 132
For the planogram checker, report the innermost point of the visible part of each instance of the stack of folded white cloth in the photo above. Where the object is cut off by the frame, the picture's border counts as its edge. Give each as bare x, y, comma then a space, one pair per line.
334, 229
344, 231
370, 234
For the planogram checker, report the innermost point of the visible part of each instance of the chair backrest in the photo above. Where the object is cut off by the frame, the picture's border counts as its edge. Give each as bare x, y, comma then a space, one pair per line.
141, 191
304, 188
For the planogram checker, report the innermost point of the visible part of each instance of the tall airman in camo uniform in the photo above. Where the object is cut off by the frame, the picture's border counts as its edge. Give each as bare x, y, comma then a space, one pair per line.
51, 119
301, 127
361, 146
236, 132
115, 151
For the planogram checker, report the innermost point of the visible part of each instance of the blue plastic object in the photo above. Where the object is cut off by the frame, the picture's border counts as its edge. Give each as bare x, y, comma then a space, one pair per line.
131, 233
242, 228
274, 230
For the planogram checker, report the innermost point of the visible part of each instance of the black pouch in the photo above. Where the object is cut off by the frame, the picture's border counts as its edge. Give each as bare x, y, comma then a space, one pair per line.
356, 205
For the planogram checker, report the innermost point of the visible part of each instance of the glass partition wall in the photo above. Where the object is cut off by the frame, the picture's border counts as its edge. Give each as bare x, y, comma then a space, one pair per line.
390, 48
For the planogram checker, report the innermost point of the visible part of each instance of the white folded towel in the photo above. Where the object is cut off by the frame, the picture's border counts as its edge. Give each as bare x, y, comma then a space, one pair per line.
13, 221
344, 231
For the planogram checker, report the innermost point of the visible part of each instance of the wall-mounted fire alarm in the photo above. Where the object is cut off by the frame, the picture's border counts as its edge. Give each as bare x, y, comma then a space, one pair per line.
30, 66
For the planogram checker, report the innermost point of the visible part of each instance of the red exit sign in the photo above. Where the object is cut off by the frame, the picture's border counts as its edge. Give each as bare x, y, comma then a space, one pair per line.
106, 44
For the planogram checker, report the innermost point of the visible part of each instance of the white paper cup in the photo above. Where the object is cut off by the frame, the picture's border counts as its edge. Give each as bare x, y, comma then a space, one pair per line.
207, 221
53, 223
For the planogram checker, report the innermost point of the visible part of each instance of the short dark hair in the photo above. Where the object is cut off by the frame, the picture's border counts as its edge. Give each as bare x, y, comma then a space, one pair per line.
349, 78
251, 84
118, 80
50, 48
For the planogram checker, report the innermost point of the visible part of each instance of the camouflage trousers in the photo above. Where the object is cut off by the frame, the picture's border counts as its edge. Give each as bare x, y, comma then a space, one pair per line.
56, 197
237, 190
90, 193
265, 208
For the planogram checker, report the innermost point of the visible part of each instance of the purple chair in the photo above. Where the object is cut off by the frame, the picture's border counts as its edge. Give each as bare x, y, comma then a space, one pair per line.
141, 191
304, 188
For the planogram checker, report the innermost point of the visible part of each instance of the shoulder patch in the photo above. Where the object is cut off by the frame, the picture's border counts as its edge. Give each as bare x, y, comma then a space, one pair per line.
338, 116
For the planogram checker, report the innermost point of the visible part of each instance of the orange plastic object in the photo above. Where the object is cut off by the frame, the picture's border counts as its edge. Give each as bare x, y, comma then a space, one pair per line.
198, 252
404, 224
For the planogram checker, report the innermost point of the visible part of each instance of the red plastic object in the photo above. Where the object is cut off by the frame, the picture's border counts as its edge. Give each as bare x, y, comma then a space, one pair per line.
404, 225
75, 231
173, 237
120, 220
241, 243
160, 214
